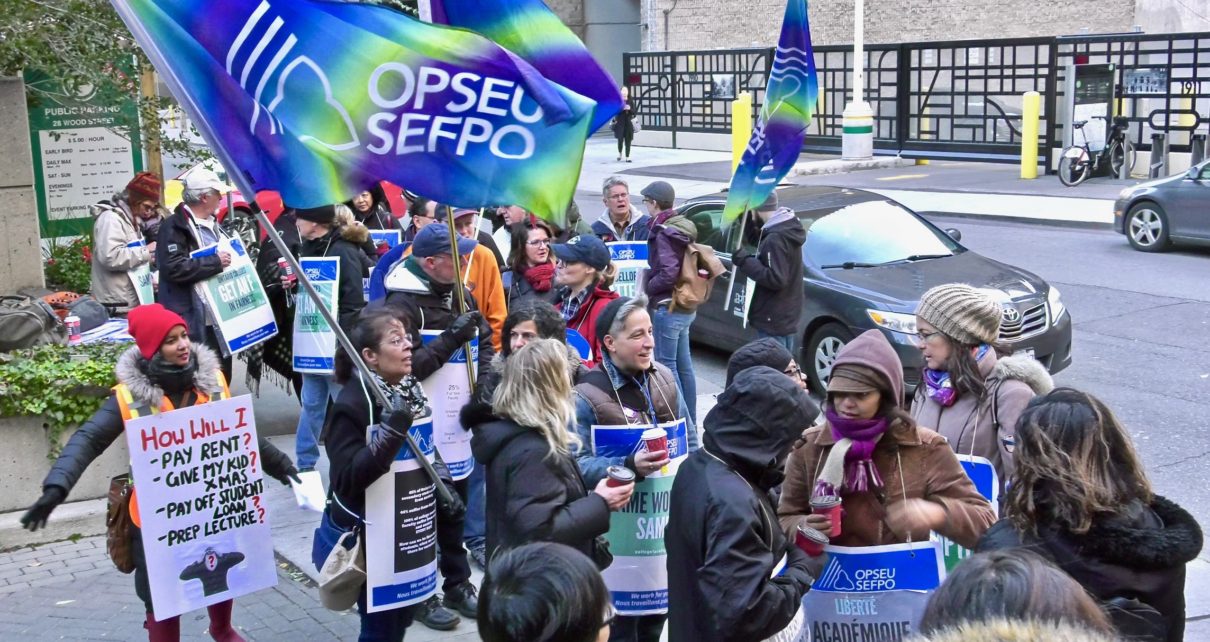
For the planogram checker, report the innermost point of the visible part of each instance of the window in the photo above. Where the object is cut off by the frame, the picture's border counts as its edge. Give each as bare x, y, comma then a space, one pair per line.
873, 233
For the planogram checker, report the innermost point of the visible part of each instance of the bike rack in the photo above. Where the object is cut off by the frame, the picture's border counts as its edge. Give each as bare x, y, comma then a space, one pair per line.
1159, 155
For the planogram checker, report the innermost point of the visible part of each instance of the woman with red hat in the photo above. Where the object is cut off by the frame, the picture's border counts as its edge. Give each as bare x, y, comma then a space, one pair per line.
164, 370
120, 277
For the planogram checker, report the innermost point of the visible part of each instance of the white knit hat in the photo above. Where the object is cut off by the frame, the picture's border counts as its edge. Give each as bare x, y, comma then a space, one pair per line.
961, 312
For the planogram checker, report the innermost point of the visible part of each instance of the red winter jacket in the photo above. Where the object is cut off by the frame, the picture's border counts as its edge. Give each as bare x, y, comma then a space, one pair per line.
585, 320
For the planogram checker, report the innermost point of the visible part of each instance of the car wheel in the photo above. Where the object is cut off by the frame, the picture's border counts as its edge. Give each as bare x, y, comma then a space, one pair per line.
1147, 227
821, 352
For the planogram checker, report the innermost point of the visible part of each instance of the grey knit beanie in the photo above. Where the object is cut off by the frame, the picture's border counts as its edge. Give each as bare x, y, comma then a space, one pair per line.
962, 313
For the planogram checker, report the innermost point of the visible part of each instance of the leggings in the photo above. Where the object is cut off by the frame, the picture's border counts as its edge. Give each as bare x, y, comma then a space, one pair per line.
625, 140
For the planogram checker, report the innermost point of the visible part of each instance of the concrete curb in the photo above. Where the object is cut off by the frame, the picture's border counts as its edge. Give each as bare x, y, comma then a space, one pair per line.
837, 166
74, 519
974, 216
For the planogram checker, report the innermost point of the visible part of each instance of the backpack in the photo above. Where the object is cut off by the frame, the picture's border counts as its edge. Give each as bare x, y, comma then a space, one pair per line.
699, 269
27, 322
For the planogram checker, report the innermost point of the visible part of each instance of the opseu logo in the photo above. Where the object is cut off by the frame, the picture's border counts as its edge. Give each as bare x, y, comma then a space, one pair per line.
863, 580
423, 110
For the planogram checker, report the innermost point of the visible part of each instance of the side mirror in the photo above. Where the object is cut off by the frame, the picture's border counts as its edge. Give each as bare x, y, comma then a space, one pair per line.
954, 234
1193, 174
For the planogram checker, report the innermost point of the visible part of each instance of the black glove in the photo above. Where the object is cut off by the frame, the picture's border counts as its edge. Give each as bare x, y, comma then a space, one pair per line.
394, 425
453, 510
290, 473
740, 256
36, 516
466, 326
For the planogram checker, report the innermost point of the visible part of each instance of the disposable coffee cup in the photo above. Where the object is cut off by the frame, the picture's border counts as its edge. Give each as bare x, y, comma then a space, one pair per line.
830, 506
618, 476
810, 540
655, 439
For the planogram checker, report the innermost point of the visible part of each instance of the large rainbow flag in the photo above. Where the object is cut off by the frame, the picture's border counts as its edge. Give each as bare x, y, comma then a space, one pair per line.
318, 100
789, 104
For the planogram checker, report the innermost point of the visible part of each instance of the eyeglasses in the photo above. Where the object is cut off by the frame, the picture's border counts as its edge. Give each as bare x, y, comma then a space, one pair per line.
925, 336
619, 197
611, 614
538, 242
794, 371
146, 206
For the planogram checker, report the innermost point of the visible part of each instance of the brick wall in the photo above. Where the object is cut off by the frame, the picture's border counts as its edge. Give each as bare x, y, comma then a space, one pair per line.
722, 24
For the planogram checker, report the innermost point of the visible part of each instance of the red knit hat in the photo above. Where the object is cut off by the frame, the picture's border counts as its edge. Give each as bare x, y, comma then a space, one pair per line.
149, 324
145, 186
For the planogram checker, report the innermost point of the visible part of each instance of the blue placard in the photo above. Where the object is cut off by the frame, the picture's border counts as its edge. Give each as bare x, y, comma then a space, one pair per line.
628, 250
621, 441
577, 341
390, 237
900, 567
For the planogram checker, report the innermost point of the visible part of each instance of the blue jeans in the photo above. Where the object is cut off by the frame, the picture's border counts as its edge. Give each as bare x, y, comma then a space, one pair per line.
672, 350
786, 340
316, 389
474, 532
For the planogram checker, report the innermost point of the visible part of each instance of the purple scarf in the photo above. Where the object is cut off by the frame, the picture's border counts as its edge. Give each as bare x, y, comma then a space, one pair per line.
938, 385
860, 474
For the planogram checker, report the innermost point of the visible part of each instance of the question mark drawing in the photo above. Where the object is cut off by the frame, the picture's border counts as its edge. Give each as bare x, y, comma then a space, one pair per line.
259, 510
247, 439
254, 461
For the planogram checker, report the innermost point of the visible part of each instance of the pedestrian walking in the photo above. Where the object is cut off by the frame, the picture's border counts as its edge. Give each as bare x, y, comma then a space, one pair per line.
381, 339
535, 491
623, 126
1011, 585
544, 592
191, 227
620, 221
897, 481
121, 259
1080, 498
777, 271
671, 234
584, 274
164, 370
971, 393
724, 545
481, 272
323, 236
532, 264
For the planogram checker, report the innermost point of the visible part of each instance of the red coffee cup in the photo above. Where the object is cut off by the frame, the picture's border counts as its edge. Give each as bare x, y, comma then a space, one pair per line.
811, 541
655, 439
829, 505
618, 476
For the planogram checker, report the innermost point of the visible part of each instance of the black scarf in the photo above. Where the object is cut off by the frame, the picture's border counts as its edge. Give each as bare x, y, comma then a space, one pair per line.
173, 380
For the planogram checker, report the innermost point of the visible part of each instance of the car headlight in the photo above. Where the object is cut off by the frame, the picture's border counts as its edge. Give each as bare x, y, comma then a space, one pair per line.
1055, 300
1125, 194
893, 321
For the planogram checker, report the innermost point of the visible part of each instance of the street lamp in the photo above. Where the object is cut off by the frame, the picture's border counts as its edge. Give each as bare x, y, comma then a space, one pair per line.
857, 121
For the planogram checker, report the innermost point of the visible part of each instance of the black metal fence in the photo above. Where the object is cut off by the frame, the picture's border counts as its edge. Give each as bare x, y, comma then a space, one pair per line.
959, 99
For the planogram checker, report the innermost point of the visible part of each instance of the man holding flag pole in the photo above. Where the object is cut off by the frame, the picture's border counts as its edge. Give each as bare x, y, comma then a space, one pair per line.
445, 110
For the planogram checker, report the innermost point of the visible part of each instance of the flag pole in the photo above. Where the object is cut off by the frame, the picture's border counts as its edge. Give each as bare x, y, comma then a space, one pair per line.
241, 181
458, 288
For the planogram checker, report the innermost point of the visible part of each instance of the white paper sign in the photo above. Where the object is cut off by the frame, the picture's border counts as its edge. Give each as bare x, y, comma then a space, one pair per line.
448, 390
199, 484
140, 277
630, 260
236, 299
314, 340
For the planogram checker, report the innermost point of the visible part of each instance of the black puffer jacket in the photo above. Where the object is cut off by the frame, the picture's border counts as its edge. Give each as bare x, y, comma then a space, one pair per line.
1140, 554
777, 270
723, 538
532, 494
106, 424
178, 272
343, 243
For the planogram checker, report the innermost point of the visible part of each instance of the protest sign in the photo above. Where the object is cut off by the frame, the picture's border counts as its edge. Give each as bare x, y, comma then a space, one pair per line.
448, 390
577, 341
390, 237
983, 474
236, 299
199, 484
140, 277
638, 577
630, 259
314, 340
401, 527
872, 592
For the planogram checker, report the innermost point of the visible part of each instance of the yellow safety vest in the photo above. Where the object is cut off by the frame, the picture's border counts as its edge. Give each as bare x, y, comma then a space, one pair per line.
134, 408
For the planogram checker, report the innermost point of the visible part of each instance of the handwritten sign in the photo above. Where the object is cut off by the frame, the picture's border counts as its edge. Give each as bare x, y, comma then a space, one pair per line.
200, 487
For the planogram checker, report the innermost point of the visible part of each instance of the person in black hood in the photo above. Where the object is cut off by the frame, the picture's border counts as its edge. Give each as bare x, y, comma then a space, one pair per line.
1080, 498
777, 270
724, 544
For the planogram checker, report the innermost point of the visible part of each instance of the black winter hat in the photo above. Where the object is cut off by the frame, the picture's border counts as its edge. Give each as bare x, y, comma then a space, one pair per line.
761, 352
606, 317
324, 214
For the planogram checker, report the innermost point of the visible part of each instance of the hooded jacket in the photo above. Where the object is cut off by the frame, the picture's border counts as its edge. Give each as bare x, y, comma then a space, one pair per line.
178, 272
914, 463
638, 229
584, 320
533, 494
777, 271
106, 425
344, 243
671, 233
113, 229
969, 424
1140, 553
722, 536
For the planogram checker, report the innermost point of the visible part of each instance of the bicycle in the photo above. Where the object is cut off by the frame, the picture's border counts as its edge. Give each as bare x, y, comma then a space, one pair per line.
1078, 162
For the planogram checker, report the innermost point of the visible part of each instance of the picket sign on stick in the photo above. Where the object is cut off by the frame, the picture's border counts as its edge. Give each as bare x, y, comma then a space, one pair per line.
743, 220
186, 100
449, 220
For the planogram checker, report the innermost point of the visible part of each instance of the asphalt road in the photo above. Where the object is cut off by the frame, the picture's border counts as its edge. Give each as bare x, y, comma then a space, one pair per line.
1140, 339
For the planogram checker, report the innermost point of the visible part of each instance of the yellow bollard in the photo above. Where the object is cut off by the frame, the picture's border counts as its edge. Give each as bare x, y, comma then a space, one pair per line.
741, 127
1031, 108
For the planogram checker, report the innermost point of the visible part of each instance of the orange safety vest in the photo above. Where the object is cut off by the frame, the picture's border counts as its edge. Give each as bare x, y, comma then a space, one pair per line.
133, 409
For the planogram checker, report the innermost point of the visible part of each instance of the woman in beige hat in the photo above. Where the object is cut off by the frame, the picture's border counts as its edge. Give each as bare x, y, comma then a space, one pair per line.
971, 392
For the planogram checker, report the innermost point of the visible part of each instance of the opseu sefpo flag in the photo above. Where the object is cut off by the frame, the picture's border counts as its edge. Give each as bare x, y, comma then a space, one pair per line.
782, 123
531, 30
319, 100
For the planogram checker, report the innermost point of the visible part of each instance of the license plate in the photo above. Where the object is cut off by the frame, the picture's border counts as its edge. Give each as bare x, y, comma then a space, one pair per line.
1075, 152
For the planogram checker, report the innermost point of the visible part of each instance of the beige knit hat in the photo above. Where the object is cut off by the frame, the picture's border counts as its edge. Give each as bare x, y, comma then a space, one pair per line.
962, 313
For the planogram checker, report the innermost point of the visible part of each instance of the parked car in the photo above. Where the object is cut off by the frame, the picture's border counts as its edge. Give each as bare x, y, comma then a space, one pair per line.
1157, 214
868, 259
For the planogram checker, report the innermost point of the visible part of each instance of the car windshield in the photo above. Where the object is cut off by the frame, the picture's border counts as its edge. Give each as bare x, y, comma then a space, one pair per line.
872, 233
